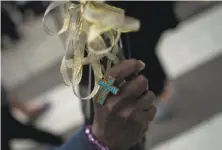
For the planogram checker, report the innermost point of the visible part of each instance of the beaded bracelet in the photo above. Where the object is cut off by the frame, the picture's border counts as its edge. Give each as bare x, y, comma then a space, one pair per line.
92, 138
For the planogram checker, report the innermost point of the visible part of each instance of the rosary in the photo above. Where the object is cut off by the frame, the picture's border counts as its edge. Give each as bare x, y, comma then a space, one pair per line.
93, 33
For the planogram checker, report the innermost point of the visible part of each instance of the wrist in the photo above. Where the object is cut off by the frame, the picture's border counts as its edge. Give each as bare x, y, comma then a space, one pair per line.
100, 135
98, 144
97, 132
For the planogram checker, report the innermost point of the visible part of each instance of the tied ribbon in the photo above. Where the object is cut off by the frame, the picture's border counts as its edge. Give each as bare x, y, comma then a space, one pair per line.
92, 28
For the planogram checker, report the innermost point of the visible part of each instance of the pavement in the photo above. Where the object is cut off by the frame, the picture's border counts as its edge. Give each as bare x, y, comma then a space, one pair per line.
198, 99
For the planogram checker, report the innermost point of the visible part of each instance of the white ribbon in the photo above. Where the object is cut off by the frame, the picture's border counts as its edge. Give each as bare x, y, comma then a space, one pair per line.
87, 24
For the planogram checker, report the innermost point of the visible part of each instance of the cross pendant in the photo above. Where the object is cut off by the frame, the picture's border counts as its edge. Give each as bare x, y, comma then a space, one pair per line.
107, 87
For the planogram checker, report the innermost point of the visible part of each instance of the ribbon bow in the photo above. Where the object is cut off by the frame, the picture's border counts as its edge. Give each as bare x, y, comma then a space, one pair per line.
93, 28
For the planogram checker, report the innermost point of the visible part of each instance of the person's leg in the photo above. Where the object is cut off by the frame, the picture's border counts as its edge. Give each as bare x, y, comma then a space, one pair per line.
2, 41
14, 34
19, 130
143, 45
5, 141
5, 136
8, 26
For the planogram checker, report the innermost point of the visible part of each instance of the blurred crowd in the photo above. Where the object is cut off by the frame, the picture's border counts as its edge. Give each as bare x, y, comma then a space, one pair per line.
15, 13
140, 45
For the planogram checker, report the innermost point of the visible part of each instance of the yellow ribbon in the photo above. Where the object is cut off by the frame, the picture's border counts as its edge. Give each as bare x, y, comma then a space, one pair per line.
90, 24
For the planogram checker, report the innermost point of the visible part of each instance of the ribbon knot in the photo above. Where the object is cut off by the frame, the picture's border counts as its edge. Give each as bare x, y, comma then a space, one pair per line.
93, 28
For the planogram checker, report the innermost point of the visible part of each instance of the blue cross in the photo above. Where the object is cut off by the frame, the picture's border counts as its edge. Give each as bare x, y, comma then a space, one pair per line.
107, 87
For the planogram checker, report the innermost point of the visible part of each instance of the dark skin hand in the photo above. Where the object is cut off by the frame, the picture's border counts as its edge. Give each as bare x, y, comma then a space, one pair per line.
124, 118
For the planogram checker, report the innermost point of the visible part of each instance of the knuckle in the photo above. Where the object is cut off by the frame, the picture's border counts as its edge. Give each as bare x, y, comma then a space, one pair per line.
133, 63
143, 79
150, 97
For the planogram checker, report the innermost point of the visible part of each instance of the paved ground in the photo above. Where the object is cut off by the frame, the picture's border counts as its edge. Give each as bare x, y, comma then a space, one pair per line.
199, 98
204, 136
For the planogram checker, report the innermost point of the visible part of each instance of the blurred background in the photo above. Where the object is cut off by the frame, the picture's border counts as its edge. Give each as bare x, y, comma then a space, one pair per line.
191, 55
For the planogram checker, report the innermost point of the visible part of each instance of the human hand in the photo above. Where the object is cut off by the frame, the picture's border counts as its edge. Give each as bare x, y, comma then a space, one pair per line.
124, 118
34, 110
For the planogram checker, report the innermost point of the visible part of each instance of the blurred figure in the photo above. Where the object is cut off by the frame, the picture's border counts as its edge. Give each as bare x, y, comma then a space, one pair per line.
13, 129
155, 18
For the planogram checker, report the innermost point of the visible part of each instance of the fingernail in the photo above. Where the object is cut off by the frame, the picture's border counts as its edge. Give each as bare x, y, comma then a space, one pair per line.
142, 65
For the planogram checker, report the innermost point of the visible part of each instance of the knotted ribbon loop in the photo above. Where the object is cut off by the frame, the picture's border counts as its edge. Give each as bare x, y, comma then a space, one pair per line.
93, 28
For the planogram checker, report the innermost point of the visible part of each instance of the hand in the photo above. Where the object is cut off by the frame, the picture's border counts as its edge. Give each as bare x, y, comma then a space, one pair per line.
33, 110
124, 117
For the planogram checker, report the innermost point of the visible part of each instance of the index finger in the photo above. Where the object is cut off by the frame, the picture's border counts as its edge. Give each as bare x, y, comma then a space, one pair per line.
125, 68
